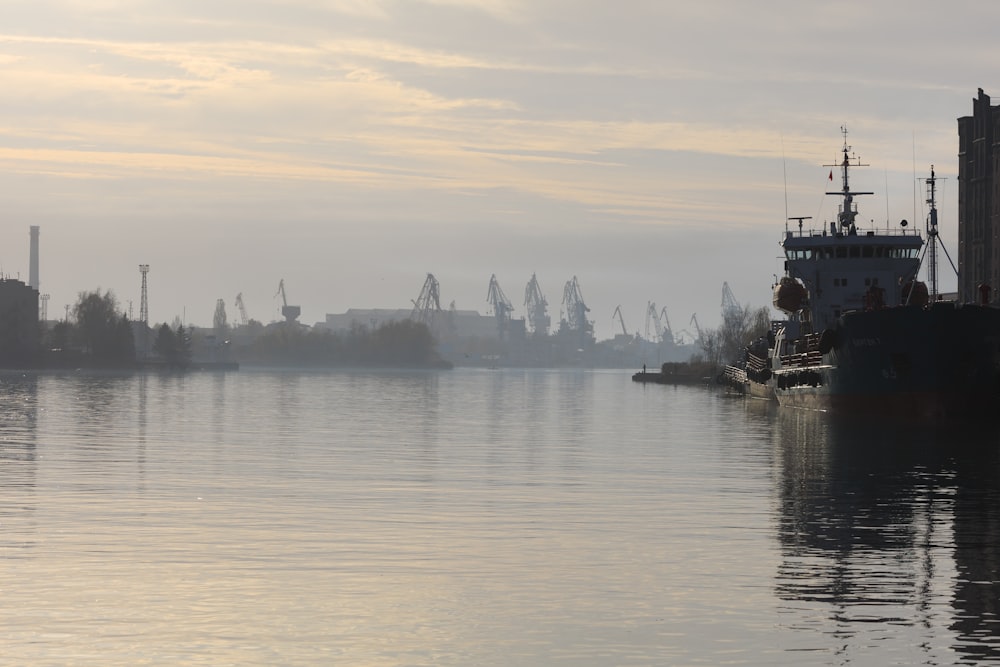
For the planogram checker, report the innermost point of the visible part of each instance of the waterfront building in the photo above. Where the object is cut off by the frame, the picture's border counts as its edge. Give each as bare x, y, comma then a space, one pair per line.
19, 330
979, 200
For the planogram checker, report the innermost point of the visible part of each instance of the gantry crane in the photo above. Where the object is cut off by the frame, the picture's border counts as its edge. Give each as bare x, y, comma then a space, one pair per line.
290, 313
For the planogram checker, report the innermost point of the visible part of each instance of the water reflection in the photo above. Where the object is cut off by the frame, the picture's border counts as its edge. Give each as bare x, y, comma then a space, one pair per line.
18, 462
890, 523
141, 426
18, 416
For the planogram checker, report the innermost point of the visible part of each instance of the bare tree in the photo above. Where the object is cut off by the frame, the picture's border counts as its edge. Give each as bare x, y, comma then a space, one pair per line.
740, 326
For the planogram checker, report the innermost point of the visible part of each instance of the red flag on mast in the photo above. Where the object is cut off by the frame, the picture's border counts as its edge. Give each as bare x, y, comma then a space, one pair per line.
831, 174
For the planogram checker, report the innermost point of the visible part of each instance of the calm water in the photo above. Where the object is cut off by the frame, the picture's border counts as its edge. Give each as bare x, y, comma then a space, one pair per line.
482, 518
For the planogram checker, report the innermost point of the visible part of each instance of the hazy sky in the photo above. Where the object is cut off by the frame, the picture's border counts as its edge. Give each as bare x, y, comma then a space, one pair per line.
350, 147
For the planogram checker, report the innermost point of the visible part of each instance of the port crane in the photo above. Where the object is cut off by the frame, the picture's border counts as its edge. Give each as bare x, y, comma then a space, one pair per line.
694, 321
575, 309
668, 331
536, 305
654, 332
290, 313
501, 305
621, 319
730, 306
428, 303
660, 324
242, 309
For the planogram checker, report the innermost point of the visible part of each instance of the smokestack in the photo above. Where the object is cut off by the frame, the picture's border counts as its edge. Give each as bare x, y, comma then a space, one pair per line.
33, 262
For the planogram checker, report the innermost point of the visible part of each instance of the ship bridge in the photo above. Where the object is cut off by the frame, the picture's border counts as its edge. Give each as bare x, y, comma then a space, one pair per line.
870, 244
844, 271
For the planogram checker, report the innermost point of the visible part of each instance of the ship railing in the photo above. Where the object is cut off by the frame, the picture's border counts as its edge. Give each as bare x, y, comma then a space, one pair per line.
802, 359
813, 232
755, 363
811, 342
734, 377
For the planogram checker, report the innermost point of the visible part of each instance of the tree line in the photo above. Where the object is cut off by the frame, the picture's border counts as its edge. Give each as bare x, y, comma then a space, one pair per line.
100, 334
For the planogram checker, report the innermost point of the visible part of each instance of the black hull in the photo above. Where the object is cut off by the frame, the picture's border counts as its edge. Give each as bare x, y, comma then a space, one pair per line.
937, 361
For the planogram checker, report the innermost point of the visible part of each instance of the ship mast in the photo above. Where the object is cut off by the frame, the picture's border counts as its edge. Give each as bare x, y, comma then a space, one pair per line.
932, 236
848, 209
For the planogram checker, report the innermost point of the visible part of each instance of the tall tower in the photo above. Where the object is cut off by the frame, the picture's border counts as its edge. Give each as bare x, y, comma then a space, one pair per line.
33, 259
144, 301
144, 312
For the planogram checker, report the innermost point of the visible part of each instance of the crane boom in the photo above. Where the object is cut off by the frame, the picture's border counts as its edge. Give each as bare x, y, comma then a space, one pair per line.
536, 305
502, 307
244, 320
653, 317
281, 292
694, 320
428, 302
290, 313
575, 307
668, 331
730, 306
621, 319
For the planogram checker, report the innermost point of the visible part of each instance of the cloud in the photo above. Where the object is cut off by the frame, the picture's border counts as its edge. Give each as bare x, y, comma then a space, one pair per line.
558, 120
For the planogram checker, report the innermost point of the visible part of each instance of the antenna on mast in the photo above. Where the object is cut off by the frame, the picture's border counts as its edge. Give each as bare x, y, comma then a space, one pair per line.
848, 209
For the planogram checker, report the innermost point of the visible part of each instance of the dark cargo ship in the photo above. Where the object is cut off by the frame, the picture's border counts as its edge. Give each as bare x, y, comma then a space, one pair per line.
862, 334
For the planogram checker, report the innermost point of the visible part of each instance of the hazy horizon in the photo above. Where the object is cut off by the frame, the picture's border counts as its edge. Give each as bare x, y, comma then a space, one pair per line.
350, 147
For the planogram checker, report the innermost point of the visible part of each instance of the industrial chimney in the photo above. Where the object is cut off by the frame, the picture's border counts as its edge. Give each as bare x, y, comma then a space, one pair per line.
33, 261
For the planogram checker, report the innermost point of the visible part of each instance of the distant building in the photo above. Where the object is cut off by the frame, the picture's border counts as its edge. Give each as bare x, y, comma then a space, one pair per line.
371, 318
458, 323
979, 200
19, 330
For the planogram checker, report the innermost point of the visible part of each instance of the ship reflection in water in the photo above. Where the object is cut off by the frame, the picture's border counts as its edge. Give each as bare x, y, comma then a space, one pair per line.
889, 524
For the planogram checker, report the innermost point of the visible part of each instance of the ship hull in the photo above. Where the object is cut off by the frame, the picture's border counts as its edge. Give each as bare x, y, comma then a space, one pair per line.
937, 361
